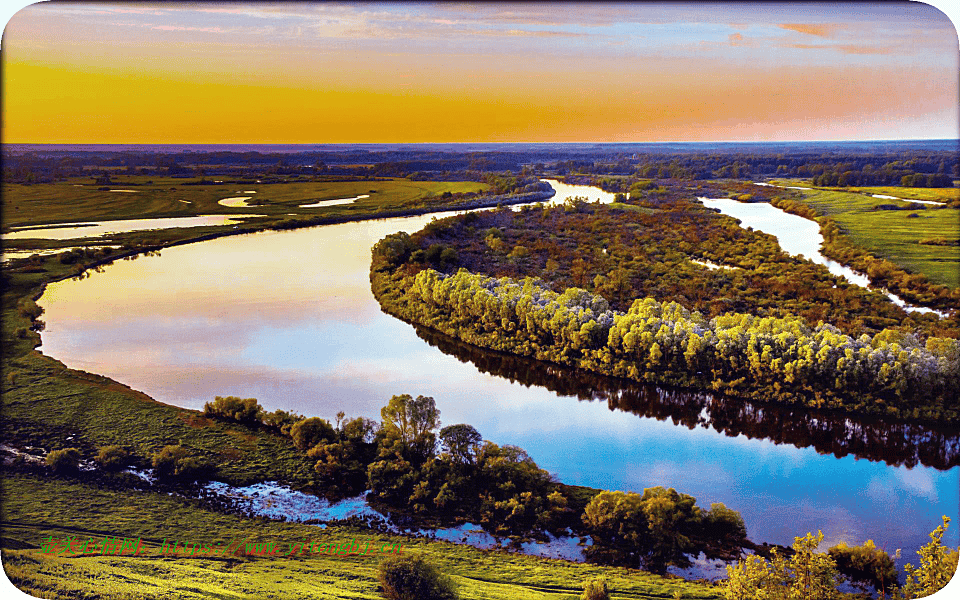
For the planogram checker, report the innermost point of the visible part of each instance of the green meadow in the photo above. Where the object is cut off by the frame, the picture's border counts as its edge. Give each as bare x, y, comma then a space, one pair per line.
79, 199
911, 193
34, 508
897, 234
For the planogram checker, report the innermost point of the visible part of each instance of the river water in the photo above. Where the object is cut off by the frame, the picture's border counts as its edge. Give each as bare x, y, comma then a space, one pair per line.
288, 318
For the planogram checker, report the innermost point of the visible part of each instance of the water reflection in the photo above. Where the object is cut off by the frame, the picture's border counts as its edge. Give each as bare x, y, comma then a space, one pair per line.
69, 231
897, 444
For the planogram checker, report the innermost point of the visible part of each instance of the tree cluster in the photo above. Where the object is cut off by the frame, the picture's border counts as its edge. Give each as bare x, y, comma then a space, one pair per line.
658, 528
778, 359
451, 475
811, 575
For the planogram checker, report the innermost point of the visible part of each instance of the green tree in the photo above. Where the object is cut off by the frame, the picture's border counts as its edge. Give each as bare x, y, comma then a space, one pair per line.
243, 410
595, 589
938, 564
806, 575
461, 443
176, 462
659, 528
411, 423
865, 564
309, 432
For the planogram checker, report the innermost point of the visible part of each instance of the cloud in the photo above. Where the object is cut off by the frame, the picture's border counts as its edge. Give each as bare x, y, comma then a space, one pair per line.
844, 48
180, 28
736, 39
825, 30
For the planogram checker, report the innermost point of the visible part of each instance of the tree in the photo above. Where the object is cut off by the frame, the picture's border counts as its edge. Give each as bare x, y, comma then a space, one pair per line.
657, 529
411, 423
309, 432
938, 564
176, 462
807, 575
865, 564
595, 589
243, 410
461, 443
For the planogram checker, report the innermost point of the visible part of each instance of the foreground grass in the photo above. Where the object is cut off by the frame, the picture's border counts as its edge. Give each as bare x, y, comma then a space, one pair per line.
33, 508
896, 234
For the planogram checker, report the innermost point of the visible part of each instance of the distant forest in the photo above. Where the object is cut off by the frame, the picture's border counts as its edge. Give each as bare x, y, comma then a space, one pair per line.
916, 164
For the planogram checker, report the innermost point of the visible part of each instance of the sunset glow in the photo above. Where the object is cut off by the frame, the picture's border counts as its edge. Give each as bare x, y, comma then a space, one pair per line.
352, 73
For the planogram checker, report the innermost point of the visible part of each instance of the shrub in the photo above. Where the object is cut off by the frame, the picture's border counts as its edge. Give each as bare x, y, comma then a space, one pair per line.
30, 309
595, 589
175, 462
112, 458
244, 410
64, 461
309, 432
412, 577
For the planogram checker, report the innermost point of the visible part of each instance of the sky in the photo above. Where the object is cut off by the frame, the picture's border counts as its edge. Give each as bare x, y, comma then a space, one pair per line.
205, 72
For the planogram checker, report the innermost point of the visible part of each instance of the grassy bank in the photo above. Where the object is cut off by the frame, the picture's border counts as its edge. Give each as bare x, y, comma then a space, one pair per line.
894, 229
909, 193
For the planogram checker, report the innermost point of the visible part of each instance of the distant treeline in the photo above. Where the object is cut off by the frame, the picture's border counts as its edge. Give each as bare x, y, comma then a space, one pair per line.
923, 165
934, 169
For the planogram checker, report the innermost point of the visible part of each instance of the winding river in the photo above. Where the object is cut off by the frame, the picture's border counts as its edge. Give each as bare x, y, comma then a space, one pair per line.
288, 318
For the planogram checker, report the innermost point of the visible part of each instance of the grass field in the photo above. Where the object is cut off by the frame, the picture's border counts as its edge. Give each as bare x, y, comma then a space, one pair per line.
34, 508
929, 194
895, 234
78, 200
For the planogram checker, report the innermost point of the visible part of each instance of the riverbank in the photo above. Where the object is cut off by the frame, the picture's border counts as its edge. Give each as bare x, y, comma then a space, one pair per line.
89, 511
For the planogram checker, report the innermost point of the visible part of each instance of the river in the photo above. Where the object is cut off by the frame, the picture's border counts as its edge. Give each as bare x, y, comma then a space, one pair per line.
288, 318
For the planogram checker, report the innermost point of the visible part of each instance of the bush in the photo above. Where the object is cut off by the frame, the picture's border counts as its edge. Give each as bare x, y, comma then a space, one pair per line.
112, 458
64, 461
411, 577
30, 309
595, 589
244, 410
309, 432
175, 462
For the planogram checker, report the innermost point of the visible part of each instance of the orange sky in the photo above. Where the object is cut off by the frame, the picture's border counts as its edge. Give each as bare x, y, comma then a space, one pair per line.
323, 73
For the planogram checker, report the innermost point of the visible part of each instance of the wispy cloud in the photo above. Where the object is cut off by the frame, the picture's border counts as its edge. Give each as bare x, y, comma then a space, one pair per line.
825, 30
182, 28
843, 48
